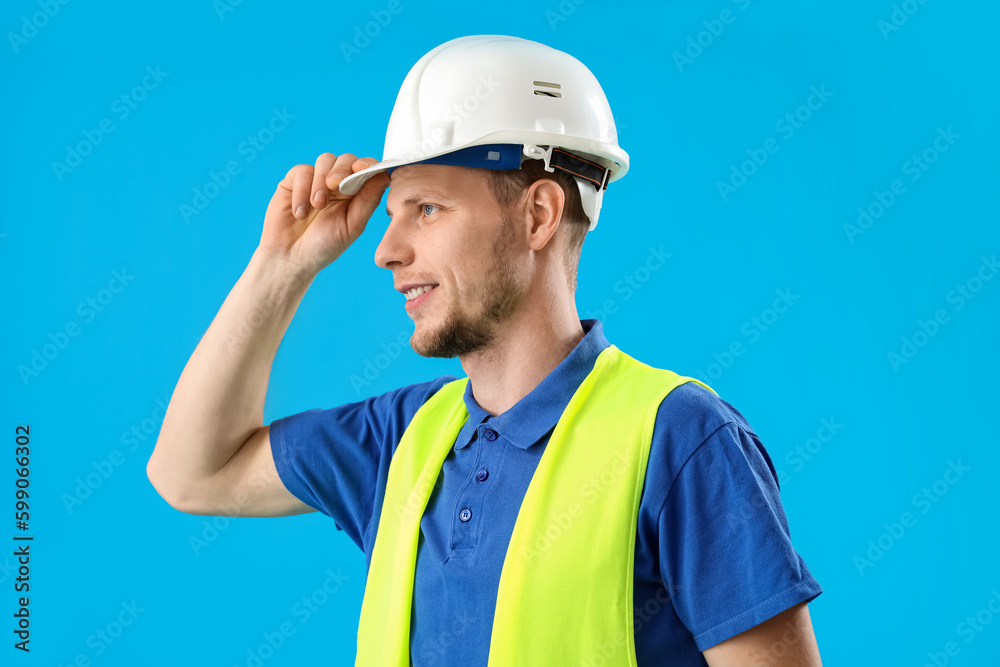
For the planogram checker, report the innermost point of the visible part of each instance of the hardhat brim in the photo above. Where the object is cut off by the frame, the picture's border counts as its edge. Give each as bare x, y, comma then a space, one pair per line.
353, 183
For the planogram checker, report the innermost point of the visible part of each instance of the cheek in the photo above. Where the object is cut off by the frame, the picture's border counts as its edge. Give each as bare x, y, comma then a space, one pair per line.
461, 256
456, 262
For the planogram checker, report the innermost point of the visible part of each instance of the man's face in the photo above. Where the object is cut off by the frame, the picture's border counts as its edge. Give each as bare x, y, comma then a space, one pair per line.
447, 230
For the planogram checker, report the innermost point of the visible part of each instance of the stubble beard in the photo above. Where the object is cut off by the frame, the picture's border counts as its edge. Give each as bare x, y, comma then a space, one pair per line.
501, 293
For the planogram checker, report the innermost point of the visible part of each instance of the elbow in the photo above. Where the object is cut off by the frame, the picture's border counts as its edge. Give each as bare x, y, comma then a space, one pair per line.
176, 495
166, 492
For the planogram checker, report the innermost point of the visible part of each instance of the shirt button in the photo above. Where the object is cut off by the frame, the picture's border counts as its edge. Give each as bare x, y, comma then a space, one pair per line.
465, 514
490, 434
482, 474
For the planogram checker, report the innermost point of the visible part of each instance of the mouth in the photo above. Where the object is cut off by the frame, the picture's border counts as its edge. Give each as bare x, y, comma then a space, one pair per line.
417, 296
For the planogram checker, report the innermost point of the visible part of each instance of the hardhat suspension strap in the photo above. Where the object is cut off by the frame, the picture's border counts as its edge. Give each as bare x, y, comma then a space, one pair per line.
557, 158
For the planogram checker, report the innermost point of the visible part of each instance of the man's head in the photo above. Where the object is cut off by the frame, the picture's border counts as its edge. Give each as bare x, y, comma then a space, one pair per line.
474, 211
499, 247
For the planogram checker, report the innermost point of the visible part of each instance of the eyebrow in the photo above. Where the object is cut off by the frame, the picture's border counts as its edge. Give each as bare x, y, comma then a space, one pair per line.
418, 197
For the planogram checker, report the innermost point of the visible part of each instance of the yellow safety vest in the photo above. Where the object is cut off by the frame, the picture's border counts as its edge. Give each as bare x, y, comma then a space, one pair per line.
565, 592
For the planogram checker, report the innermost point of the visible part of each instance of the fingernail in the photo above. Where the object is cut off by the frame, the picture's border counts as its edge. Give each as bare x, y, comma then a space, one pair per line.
300, 211
320, 196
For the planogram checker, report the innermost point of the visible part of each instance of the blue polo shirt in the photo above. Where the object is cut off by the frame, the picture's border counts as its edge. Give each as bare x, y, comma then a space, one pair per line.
713, 553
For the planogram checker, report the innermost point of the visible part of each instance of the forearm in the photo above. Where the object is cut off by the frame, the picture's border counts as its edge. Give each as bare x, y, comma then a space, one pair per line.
219, 399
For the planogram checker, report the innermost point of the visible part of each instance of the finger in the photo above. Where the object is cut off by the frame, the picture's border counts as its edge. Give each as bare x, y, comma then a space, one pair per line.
342, 168
363, 163
366, 201
324, 163
301, 187
288, 180
359, 164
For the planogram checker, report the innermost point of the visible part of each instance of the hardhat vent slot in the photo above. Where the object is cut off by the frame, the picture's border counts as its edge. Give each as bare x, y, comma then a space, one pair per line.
547, 93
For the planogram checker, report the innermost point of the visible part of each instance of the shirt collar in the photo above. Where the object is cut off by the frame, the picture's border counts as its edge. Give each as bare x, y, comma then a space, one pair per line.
535, 415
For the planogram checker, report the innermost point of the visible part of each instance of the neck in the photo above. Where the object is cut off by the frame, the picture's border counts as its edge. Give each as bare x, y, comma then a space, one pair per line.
528, 346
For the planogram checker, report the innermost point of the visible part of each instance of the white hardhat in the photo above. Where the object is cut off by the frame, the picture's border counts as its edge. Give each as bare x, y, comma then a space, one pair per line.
491, 101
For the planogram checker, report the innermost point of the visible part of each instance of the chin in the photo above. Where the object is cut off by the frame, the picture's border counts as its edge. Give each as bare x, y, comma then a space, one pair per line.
425, 335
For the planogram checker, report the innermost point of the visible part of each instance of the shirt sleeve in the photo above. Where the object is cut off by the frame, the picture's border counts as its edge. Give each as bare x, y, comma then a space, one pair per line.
331, 459
725, 547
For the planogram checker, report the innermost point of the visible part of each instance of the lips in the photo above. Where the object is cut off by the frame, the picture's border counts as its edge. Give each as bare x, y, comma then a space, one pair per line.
417, 294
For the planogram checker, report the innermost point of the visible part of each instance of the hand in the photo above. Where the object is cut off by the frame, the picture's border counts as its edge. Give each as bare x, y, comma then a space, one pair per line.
309, 221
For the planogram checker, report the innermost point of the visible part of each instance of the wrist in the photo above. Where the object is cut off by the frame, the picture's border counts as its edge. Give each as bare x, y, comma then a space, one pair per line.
283, 272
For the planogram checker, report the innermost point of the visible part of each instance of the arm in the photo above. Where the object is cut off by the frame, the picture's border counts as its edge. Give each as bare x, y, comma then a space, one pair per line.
213, 451
784, 640
725, 549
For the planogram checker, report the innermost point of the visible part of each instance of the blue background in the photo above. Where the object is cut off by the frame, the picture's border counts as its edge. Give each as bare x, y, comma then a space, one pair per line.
686, 126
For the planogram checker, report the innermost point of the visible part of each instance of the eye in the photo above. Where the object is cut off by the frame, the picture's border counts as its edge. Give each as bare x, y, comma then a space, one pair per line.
427, 206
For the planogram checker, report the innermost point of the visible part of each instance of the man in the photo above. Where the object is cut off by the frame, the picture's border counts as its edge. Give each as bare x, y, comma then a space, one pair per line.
564, 504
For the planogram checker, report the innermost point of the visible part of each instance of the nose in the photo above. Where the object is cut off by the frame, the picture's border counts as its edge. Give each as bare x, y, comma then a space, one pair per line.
394, 248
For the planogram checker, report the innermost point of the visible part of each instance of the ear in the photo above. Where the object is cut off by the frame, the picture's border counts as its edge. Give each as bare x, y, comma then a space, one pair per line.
543, 207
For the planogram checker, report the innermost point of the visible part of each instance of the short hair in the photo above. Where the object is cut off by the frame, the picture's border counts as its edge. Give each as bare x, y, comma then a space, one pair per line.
508, 185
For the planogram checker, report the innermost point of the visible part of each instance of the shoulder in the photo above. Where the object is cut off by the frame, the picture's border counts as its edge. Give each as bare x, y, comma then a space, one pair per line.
692, 418
391, 412
702, 409
691, 408
394, 410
